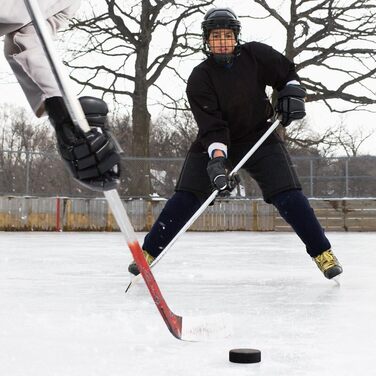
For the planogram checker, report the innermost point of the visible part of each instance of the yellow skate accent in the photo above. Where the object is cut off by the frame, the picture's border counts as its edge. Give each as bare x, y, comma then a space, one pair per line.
149, 258
328, 264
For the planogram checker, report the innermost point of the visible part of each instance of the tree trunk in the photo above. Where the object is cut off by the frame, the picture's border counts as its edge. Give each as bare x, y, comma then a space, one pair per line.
140, 182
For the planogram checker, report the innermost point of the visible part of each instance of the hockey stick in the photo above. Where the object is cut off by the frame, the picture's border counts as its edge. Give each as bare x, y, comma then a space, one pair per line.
181, 329
207, 202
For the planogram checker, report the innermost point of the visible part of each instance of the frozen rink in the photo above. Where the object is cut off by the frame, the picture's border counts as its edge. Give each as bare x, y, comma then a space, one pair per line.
63, 310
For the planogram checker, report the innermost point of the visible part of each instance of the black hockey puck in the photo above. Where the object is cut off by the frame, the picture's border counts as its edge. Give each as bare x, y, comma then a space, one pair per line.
245, 356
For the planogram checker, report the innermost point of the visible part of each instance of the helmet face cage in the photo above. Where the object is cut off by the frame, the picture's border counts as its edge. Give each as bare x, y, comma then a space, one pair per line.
219, 18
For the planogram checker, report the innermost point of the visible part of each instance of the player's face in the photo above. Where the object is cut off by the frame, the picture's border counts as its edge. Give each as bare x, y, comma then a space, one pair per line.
222, 41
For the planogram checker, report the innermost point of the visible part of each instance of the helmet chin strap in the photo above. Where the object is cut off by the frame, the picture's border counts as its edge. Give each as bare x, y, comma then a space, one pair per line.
223, 59
226, 59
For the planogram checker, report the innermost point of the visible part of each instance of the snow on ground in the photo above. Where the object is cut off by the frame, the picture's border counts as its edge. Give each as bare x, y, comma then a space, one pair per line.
63, 310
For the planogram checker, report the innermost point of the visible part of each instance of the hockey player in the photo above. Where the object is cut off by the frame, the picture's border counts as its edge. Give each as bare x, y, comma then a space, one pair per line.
227, 96
91, 158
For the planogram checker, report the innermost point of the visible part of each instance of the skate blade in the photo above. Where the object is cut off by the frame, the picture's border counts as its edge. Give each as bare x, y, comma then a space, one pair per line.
133, 280
337, 280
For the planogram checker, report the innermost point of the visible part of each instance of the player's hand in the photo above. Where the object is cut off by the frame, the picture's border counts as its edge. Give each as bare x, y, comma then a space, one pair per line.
290, 105
91, 157
219, 169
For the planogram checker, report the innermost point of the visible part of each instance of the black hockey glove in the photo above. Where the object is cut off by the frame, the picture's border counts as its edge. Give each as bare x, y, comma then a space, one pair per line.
90, 157
290, 103
219, 169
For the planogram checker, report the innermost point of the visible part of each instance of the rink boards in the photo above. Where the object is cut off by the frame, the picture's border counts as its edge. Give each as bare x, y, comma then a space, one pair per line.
93, 214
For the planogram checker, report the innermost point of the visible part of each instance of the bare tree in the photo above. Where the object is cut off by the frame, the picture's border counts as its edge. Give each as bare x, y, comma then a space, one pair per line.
330, 39
171, 136
130, 61
301, 140
29, 162
21, 138
350, 142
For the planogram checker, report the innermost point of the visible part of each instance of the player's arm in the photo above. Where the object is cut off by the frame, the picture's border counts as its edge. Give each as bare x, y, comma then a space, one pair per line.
213, 130
279, 72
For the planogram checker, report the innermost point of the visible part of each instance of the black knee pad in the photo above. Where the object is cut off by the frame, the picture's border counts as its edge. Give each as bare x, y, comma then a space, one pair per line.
291, 203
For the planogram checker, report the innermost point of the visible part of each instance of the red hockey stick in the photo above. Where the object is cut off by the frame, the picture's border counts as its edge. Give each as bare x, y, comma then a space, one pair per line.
173, 322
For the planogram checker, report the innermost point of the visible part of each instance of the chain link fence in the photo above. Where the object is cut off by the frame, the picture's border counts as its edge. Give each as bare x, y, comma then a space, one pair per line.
43, 174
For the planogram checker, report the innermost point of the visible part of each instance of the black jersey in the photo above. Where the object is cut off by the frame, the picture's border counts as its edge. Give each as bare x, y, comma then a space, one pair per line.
229, 104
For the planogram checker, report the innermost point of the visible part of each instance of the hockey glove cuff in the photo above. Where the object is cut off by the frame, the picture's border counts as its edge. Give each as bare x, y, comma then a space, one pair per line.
290, 103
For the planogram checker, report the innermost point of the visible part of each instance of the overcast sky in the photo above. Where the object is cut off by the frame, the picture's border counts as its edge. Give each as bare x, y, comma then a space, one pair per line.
267, 31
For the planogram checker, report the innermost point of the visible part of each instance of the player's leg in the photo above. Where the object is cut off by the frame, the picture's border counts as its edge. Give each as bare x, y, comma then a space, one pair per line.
294, 207
192, 188
273, 170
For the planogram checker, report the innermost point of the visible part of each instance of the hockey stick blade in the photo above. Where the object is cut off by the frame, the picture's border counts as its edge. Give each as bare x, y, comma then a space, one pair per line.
173, 322
193, 329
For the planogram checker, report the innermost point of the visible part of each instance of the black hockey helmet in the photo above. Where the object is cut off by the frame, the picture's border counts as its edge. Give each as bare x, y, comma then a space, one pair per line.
220, 18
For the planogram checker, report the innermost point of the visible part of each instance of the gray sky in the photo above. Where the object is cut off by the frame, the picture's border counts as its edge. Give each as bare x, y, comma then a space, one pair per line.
267, 31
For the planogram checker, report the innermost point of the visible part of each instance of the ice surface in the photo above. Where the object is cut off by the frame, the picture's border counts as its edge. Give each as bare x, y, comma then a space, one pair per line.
63, 310
207, 327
